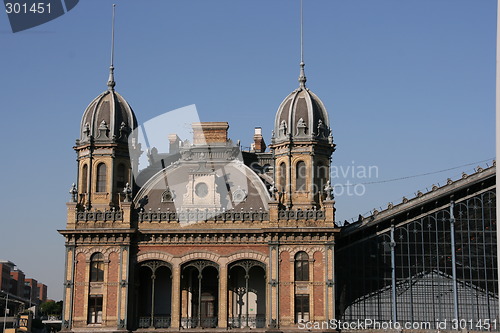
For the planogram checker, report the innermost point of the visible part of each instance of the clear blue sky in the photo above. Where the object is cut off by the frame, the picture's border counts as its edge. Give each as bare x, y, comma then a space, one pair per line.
409, 86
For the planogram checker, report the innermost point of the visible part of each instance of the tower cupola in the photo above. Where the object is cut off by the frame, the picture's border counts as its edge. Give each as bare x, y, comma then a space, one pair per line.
302, 116
108, 118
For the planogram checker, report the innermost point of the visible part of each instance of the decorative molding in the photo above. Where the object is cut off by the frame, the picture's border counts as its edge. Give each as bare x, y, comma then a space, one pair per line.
245, 255
299, 214
199, 215
107, 216
89, 251
157, 255
293, 250
208, 256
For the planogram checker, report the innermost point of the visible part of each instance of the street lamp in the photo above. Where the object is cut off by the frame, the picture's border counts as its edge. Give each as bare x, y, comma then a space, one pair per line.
6, 309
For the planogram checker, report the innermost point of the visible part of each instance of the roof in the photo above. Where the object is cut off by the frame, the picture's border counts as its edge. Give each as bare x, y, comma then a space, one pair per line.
437, 197
108, 117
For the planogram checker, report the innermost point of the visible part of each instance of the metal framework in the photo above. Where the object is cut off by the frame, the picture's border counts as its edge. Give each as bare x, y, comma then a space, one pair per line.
246, 265
435, 268
160, 321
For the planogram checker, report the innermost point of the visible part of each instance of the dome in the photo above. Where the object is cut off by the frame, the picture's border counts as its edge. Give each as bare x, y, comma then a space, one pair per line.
108, 118
301, 116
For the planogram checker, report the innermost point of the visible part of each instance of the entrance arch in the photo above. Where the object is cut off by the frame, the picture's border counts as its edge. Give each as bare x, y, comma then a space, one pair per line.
199, 294
155, 294
247, 294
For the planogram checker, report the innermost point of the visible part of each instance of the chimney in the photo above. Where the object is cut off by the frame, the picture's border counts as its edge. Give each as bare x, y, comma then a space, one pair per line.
210, 132
258, 145
174, 143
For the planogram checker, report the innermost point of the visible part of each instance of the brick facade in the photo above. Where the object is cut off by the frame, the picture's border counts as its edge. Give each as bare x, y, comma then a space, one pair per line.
206, 236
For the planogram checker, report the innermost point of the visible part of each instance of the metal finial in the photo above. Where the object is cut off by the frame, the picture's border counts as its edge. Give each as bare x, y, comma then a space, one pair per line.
302, 76
111, 79
301, 32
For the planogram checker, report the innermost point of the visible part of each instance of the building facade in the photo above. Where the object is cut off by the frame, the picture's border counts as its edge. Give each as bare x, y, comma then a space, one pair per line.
42, 292
206, 236
17, 292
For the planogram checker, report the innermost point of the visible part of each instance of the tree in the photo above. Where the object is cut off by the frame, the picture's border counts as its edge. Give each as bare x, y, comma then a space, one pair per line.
51, 308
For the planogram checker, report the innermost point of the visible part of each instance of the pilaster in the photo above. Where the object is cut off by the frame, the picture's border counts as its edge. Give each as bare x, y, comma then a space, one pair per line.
222, 296
176, 296
329, 207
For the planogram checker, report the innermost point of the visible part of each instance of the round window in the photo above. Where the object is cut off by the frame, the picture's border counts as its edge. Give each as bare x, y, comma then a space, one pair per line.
201, 190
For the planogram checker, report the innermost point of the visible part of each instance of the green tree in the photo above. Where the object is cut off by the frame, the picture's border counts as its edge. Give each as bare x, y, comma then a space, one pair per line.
51, 308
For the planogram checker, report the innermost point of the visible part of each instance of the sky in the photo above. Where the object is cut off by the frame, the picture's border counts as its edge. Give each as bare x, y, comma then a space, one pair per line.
409, 87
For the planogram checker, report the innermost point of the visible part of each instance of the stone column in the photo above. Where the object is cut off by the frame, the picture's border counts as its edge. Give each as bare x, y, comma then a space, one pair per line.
69, 283
176, 296
124, 288
105, 286
274, 284
222, 313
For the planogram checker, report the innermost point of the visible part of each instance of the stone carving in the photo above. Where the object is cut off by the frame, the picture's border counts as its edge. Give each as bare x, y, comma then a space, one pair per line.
272, 191
328, 191
282, 129
127, 191
168, 195
86, 131
103, 130
124, 130
143, 202
74, 193
321, 128
301, 127
239, 195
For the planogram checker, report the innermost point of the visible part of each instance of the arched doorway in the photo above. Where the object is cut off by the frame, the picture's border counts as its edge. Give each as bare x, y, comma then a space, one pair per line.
199, 294
247, 294
155, 294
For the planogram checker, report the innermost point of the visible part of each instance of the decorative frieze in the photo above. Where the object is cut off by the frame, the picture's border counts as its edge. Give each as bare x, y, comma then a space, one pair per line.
202, 215
310, 214
111, 216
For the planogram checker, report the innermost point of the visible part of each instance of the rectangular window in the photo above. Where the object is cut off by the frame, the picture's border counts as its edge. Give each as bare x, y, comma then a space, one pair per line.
97, 271
301, 308
95, 309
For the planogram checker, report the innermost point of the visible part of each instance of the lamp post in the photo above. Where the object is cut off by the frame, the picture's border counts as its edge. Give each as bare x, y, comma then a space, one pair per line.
6, 309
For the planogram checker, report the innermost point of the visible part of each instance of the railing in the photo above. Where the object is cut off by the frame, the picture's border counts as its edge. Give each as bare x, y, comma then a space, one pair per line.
299, 214
159, 322
206, 322
144, 322
203, 215
258, 321
107, 216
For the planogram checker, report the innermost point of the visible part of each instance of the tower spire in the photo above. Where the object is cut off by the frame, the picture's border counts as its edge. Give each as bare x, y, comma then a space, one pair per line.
111, 79
302, 76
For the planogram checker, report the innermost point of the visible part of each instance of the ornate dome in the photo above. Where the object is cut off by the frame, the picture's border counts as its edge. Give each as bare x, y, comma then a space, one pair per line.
108, 117
301, 116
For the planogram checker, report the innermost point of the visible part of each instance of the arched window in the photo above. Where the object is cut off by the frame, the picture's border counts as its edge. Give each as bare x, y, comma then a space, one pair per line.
282, 180
101, 178
300, 176
97, 267
85, 172
121, 177
301, 266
